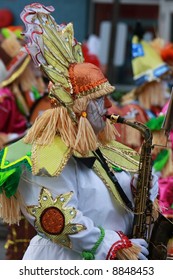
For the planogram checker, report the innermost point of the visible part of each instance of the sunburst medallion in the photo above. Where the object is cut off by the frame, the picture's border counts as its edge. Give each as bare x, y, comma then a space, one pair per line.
53, 219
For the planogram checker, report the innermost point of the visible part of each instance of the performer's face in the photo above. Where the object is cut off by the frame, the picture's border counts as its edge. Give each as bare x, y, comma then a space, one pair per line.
96, 111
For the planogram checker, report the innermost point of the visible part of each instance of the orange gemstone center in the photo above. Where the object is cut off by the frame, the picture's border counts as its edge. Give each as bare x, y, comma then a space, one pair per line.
52, 220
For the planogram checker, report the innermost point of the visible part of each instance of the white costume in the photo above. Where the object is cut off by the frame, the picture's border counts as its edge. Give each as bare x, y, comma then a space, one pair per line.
95, 208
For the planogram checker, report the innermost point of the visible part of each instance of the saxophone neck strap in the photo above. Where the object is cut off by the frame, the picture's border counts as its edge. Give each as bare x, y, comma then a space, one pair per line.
99, 156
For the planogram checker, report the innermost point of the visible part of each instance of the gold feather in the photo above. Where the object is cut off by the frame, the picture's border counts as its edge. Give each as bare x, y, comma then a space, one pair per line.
77, 53
56, 78
51, 60
59, 42
54, 51
63, 95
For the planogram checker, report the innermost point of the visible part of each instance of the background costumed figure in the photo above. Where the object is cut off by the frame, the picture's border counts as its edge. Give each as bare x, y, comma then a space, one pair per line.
21, 84
151, 75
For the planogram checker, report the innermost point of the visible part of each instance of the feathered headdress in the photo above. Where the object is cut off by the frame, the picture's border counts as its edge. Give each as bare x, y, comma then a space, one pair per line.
54, 48
73, 81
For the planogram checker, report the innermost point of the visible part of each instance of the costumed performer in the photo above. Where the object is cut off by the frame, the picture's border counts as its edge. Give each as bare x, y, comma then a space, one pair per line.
151, 74
64, 180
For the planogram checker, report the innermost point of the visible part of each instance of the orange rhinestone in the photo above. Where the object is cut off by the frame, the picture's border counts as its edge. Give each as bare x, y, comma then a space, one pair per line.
52, 220
84, 114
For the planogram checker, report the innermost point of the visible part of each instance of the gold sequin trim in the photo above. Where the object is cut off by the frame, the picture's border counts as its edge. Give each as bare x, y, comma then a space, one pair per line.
53, 219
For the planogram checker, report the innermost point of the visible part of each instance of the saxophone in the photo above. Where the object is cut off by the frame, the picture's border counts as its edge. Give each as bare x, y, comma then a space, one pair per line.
156, 231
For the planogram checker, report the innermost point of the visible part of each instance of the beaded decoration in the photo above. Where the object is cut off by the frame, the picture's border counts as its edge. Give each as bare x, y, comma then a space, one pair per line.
124, 242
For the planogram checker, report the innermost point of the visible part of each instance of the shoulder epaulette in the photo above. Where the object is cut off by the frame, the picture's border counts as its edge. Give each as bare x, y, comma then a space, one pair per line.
11, 160
15, 155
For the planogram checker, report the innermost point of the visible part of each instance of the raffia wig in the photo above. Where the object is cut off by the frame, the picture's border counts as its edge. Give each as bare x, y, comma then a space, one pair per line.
73, 83
80, 137
151, 94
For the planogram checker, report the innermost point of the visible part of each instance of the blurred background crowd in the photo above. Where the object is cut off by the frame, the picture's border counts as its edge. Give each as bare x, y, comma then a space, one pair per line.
132, 42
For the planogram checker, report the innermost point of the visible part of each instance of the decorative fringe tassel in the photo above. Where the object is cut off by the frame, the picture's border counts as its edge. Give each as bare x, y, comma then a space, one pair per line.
111, 130
130, 253
86, 139
106, 89
66, 128
80, 137
108, 134
9, 209
51, 122
44, 128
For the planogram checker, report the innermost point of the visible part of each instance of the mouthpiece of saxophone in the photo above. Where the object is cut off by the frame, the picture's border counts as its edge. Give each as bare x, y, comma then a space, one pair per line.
115, 118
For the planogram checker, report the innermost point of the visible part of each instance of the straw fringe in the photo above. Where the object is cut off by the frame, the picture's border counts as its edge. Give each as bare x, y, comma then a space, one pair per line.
107, 89
80, 105
108, 134
9, 209
44, 128
66, 127
86, 139
130, 253
80, 137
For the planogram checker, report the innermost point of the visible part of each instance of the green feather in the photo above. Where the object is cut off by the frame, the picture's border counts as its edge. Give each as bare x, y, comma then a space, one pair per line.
155, 123
161, 160
9, 181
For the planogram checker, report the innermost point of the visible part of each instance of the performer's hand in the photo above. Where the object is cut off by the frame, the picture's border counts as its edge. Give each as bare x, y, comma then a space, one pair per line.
144, 248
